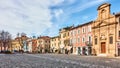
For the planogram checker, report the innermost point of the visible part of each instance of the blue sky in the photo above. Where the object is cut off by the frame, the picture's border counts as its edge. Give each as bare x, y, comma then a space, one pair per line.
46, 17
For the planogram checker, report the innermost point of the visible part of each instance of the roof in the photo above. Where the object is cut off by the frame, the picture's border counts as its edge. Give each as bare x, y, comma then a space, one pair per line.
44, 37
107, 4
117, 14
82, 25
54, 37
67, 28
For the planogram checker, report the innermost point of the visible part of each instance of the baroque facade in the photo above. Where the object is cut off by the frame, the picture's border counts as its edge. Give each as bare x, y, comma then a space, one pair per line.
118, 34
104, 31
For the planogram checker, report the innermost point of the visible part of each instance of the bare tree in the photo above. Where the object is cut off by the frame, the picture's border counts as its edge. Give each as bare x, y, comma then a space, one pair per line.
5, 40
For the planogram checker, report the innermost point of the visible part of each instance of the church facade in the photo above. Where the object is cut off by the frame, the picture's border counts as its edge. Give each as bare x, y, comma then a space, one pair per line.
105, 32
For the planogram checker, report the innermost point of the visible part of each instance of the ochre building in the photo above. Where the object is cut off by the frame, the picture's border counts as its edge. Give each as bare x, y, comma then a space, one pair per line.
54, 44
106, 32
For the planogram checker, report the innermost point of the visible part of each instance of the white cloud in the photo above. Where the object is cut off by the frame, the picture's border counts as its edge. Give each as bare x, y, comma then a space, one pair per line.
58, 12
26, 15
76, 6
56, 2
82, 6
34, 16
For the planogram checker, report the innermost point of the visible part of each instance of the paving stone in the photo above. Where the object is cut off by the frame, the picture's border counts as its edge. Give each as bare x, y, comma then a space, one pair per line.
56, 61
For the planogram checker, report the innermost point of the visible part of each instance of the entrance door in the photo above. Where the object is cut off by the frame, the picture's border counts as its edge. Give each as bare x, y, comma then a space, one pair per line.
118, 51
103, 47
79, 50
118, 46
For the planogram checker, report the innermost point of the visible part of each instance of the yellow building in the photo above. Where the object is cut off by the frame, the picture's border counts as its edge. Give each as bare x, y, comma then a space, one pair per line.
104, 32
16, 45
118, 34
54, 44
44, 44
65, 40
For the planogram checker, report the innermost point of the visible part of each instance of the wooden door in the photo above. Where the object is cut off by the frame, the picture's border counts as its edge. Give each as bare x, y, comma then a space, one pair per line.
103, 47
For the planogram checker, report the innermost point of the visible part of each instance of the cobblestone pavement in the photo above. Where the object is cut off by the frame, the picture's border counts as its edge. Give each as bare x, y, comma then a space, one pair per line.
56, 61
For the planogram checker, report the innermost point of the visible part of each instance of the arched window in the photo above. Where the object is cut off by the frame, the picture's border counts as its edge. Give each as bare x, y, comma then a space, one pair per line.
111, 40
95, 41
103, 14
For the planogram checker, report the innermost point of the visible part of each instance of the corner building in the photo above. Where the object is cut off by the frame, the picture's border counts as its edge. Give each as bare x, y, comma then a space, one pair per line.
105, 32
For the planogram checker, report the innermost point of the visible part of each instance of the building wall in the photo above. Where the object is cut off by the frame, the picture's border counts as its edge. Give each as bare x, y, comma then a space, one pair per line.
103, 28
79, 35
118, 35
65, 40
44, 43
15, 45
29, 45
54, 44
34, 45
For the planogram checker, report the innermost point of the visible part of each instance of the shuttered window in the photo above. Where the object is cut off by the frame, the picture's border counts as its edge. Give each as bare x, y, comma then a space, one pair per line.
111, 40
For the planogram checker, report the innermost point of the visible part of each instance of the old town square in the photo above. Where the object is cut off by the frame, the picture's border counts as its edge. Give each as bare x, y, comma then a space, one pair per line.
59, 34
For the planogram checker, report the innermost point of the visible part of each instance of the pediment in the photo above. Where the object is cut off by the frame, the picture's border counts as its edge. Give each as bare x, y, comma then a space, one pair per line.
103, 23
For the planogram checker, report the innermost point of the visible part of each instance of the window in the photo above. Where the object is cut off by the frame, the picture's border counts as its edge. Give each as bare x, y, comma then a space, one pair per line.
119, 34
64, 35
95, 41
68, 33
78, 40
83, 30
74, 33
89, 39
71, 41
71, 33
83, 39
60, 35
111, 40
74, 40
103, 14
89, 28
78, 31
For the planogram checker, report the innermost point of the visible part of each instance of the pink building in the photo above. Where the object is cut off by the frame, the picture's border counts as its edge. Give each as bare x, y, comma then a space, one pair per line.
81, 38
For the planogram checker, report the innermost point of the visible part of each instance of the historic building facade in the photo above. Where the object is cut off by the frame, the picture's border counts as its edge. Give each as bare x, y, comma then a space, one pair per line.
54, 44
16, 45
81, 39
29, 45
65, 46
118, 34
34, 45
104, 31
44, 44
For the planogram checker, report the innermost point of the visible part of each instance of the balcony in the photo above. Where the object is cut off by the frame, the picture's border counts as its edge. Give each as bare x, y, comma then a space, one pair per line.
88, 43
